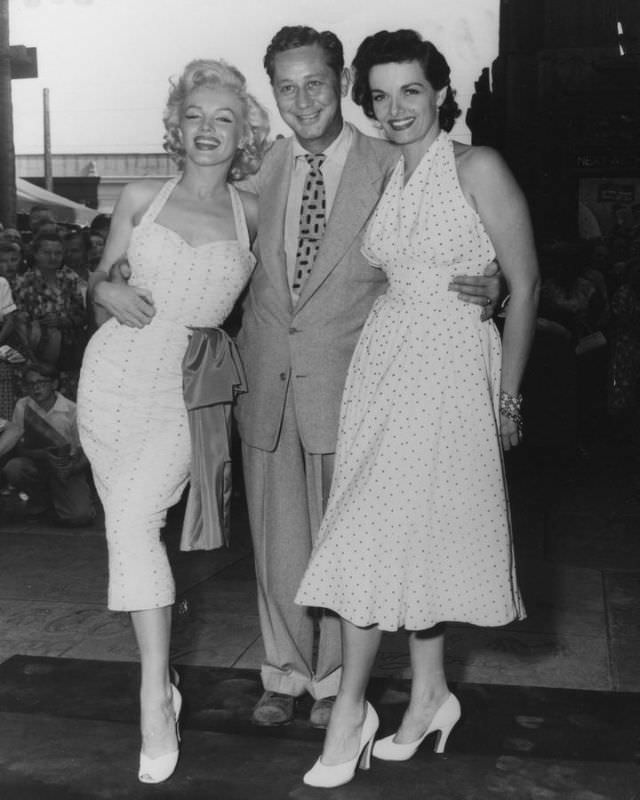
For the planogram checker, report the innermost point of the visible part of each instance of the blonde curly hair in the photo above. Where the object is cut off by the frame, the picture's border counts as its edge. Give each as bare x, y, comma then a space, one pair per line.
218, 74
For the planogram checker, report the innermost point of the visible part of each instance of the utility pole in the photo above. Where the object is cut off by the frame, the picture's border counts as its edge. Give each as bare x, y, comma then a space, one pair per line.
7, 152
15, 62
48, 172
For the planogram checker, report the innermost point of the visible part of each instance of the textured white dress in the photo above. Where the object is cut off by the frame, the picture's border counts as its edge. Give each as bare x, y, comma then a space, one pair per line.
131, 414
417, 528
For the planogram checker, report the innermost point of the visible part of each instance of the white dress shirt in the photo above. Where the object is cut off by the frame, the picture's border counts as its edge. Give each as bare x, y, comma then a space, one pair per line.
61, 416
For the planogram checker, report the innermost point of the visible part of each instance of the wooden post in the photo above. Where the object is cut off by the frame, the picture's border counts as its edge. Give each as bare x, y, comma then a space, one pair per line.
7, 152
48, 179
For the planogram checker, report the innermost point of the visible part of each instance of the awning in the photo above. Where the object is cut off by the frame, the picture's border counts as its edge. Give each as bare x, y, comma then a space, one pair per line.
64, 210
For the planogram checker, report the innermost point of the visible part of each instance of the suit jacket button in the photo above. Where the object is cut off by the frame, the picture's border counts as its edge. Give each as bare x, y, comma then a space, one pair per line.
293, 330
283, 376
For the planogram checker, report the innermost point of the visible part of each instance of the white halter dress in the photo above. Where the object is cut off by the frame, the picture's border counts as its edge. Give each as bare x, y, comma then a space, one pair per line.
417, 529
131, 414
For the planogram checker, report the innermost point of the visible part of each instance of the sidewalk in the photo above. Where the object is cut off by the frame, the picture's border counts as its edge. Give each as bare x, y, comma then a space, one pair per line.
578, 554
578, 551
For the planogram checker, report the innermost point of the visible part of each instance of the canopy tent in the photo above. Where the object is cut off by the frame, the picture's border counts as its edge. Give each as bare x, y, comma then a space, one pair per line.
64, 210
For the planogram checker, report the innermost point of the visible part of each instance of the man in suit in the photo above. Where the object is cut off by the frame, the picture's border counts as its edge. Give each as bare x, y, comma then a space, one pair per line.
297, 337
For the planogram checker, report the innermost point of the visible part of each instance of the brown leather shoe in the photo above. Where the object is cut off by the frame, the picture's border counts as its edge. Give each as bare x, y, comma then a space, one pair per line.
321, 712
273, 709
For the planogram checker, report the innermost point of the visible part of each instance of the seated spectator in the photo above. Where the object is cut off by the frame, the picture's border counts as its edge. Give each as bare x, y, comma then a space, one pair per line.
11, 235
10, 435
46, 226
7, 333
42, 220
7, 311
11, 333
568, 296
96, 247
10, 501
101, 224
579, 306
50, 307
47, 462
76, 257
39, 213
10, 261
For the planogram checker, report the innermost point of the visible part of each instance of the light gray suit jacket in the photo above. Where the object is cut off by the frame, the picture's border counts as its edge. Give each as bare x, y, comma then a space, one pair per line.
307, 348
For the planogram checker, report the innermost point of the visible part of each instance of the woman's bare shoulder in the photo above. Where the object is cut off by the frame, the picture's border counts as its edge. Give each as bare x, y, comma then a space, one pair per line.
136, 197
141, 192
475, 162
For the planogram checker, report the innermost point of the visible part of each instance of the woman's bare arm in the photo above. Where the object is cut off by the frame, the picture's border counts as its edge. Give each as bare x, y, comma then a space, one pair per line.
130, 305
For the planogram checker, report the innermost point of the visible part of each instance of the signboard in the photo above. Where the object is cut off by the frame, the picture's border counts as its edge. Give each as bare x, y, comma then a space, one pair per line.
24, 61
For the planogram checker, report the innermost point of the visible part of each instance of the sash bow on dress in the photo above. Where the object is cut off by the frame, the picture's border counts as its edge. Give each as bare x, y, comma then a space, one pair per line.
213, 375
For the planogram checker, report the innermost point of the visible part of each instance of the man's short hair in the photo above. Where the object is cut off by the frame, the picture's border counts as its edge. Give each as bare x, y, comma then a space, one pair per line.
40, 208
44, 370
290, 37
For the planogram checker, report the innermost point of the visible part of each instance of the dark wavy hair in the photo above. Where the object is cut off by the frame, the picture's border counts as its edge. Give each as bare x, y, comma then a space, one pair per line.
290, 37
398, 47
46, 236
40, 368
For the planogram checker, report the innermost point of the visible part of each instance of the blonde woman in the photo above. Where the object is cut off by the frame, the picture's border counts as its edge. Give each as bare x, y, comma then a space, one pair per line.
188, 247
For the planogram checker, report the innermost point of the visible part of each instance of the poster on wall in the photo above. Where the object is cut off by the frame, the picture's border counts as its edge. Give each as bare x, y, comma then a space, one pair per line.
608, 206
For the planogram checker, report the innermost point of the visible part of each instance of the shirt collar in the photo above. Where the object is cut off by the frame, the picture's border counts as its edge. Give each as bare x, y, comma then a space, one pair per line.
338, 145
61, 404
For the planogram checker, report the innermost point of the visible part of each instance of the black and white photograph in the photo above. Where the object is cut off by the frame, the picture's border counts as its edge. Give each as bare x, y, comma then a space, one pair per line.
319, 399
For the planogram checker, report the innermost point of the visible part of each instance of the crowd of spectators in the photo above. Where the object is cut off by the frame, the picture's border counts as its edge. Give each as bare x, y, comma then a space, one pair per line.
40, 452
45, 324
583, 378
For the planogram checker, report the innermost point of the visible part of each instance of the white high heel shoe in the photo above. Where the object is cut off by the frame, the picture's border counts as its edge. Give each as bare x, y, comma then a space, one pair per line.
327, 777
443, 721
156, 770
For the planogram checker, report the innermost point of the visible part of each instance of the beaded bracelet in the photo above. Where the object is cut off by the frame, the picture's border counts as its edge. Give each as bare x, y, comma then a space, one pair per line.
510, 407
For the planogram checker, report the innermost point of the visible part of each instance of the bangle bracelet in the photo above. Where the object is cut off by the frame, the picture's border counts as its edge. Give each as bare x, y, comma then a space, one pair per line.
510, 407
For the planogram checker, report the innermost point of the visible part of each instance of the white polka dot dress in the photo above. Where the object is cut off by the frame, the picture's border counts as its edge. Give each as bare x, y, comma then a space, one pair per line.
417, 528
131, 414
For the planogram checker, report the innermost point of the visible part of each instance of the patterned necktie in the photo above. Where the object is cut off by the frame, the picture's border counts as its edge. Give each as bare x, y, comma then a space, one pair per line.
312, 221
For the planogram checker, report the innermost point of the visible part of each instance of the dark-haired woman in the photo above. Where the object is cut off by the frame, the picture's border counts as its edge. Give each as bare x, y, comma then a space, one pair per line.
417, 527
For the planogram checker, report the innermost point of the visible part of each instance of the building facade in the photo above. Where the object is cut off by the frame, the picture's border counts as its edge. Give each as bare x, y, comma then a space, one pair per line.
95, 179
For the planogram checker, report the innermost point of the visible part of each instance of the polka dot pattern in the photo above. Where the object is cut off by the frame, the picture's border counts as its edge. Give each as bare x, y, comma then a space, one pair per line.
417, 529
131, 415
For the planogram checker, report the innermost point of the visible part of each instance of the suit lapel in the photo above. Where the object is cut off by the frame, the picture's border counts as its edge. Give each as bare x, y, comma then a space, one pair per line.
358, 192
272, 211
